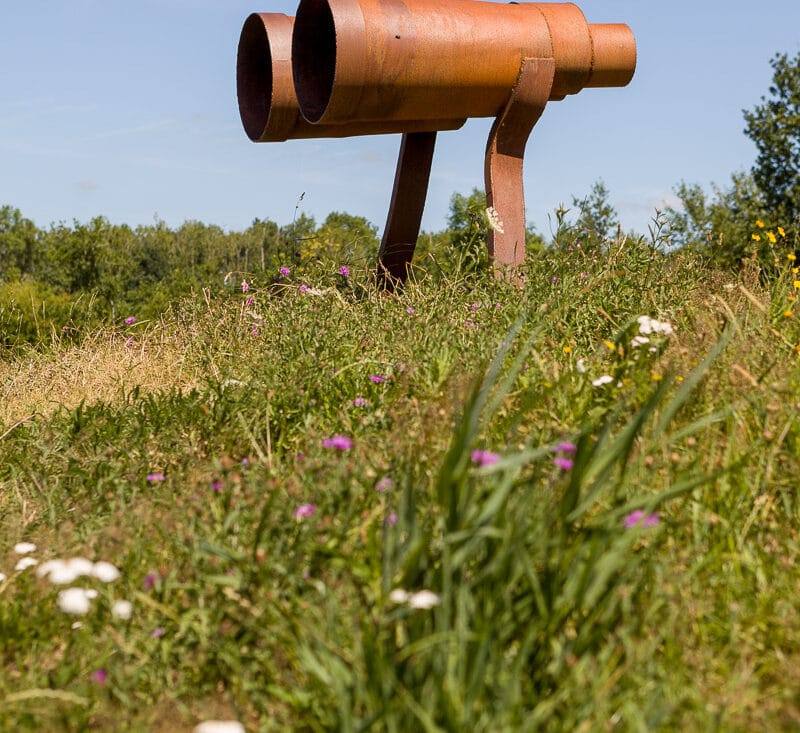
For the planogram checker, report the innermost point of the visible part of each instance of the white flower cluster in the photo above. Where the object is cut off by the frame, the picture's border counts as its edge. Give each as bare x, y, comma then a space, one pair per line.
74, 601
649, 326
422, 599
494, 220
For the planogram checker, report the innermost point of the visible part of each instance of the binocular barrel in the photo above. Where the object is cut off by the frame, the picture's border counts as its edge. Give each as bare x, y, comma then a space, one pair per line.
369, 60
267, 102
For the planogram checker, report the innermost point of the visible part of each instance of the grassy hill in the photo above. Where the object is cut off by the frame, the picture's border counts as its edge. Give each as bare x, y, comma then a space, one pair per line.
602, 508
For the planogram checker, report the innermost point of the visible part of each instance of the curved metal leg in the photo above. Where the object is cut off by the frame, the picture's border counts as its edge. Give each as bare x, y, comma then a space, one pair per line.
505, 150
405, 212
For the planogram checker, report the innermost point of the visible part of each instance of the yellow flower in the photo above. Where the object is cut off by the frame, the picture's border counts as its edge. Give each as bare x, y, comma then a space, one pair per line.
567, 349
759, 223
772, 238
797, 349
656, 377
781, 231
791, 257
795, 270
756, 237
797, 284
792, 299
788, 313
610, 345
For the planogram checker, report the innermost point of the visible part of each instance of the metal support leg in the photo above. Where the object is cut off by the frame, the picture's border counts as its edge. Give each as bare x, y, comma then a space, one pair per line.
505, 150
405, 212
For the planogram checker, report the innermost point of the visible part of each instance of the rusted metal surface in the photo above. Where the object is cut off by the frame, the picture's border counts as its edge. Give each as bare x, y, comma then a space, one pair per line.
405, 211
267, 102
364, 67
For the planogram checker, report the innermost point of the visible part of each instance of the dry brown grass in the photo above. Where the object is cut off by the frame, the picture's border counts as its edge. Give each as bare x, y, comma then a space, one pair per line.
102, 368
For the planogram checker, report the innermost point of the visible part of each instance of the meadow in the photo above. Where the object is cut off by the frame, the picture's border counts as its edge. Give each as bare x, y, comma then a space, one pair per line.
566, 504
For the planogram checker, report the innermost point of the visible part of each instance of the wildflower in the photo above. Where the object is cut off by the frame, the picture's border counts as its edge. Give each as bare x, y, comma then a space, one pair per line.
217, 485
377, 378
781, 231
610, 345
154, 478
245, 286
122, 610
340, 442
105, 571
158, 632
410, 311
391, 518
639, 341
76, 601
788, 313
791, 257
384, 484
130, 320
484, 457
493, 220
772, 238
130, 341
398, 595
649, 325
63, 572
3, 576
285, 272
759, 223
565, 447
359, 402
344, 271
100, 676
755, 237
303, 288
580, 366
567, 349
796, 284
424, 599
600, 381
24, 548
639, 517
554, 279
304, 510
149, 581
219, 726
25, 562
565, 464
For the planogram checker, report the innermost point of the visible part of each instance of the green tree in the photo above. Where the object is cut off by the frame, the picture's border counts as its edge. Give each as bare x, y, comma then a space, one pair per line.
598, 220
774, 127
19, 253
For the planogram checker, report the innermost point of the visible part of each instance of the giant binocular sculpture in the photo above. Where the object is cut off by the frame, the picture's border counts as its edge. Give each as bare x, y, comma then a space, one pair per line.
366, 67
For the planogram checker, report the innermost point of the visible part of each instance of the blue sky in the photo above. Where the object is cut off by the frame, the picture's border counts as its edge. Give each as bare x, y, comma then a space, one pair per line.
128, 110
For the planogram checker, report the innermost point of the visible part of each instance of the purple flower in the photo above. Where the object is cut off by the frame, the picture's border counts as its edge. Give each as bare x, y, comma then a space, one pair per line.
554, 279
285, 272
303, 288
250, 301
154, 478
304, 510
563, 463
217, 485
340, 442
410, 311
149, 581
359, 402
484, 457
639, 517
130, 320
391, 518
565, 447
384, 484
99, 676
344, 271
245, 286
377, 378
158, 632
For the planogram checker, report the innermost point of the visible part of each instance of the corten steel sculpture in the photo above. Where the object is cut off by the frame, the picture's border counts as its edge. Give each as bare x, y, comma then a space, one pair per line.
365, 67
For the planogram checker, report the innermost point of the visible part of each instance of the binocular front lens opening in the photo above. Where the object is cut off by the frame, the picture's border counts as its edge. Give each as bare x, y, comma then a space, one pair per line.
313, 57
254, 77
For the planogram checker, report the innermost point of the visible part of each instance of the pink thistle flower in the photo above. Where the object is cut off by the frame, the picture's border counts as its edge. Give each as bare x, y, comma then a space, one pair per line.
384, 484
377, 378
130, 320
359, 402
154, 478
99, 676
245, 286
639, 517
565, 464
410, 311
340, 442
217, 485
484, 457
158, 632
565, 447
391, 518
149, 581
285, 272
303, 288
304, 510
344, 271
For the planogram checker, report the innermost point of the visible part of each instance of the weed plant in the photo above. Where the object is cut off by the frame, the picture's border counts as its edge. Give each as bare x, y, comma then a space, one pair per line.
467, 506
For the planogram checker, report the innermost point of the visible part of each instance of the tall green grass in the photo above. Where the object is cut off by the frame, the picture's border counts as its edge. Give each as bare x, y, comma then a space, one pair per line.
606, 528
